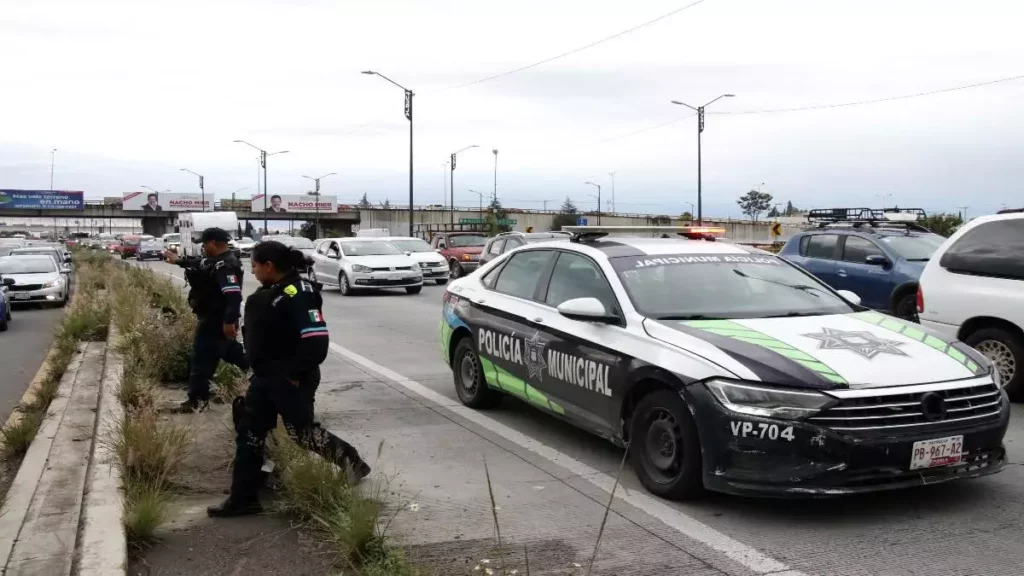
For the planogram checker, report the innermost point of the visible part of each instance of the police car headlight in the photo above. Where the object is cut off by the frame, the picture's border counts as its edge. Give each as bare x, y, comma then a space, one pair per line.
767, 402
361, 268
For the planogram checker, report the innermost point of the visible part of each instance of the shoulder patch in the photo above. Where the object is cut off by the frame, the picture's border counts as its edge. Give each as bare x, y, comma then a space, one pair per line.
291, 290
276, 300
306, 286
315, 316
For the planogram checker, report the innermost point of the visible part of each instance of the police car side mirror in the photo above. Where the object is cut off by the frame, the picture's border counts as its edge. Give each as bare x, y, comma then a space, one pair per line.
586, 310
849, 296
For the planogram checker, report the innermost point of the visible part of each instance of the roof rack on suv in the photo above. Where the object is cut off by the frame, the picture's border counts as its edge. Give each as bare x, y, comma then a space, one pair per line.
588, 233
905, 218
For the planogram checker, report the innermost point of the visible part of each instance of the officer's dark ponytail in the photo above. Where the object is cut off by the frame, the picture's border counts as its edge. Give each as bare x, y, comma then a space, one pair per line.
284, 258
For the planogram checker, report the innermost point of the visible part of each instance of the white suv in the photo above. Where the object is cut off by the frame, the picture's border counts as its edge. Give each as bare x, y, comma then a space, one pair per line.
973, 289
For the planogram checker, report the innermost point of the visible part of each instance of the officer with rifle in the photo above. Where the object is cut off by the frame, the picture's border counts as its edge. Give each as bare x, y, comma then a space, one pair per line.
215, 295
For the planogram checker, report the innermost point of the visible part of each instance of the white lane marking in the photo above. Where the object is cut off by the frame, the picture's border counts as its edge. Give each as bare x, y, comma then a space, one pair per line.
683, 523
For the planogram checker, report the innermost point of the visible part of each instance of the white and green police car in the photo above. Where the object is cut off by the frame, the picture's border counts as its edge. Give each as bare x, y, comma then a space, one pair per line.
721, 367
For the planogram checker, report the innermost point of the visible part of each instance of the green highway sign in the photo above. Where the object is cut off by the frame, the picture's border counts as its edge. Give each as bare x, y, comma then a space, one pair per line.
501, 221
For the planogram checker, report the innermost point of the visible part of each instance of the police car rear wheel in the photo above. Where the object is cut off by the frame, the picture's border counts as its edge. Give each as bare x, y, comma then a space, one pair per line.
664, 448
469, 378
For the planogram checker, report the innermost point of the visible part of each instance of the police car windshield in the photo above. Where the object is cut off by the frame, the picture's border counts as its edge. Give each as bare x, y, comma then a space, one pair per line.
914, 248
412, 245
706, 286
367, 248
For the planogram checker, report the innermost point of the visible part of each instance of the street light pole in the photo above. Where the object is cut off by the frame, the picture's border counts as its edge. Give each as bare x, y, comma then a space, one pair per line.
612, 174
408, 115
263, 164
495, 197
481, 196
598, 200
53, 156
316, 195
451, 179
201, 189
700, 129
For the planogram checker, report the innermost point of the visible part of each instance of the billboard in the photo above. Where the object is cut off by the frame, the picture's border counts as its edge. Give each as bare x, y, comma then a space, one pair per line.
294, 203
41, 200
164, 202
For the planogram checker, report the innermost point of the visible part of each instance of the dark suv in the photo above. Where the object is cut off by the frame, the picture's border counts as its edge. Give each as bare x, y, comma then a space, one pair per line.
506, 241
877, 254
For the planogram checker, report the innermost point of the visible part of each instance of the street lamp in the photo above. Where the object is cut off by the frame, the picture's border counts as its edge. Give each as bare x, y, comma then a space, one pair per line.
700, 128
598, 200
53, 157
263, 164
481, 195
691, 210
612, 174
316, 194
201, 189
451, 178
154, 190
495, 198
408, 115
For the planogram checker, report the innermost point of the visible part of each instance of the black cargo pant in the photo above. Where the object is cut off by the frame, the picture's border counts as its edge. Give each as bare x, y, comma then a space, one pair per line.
208, 349
267, 397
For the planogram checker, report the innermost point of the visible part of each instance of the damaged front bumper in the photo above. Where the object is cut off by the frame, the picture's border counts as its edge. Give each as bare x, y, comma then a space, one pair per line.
749, 455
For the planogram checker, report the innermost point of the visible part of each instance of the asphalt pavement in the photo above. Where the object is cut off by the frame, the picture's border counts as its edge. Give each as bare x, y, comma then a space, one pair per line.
959, 528
22, 350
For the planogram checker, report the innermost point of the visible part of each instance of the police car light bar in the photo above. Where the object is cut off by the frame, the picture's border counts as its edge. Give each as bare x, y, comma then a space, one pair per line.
583, 233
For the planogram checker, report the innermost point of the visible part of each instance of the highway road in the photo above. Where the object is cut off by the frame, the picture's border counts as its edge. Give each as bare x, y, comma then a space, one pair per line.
954, 529
22, 350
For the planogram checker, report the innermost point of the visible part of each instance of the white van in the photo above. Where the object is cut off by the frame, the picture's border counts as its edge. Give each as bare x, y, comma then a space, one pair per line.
192, 224
373, 233
973, 289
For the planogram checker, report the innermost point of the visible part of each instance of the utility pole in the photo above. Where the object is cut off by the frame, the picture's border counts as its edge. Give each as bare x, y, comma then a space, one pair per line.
963, 211
408, 115
598, 200
545, 205
316, 201
612, 174
263, 164
700, 129
444, 188
201, 189
53, 156
495, 197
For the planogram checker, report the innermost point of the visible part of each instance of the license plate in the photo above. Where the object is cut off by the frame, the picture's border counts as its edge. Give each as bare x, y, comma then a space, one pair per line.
21, 296
396, 276
936, 452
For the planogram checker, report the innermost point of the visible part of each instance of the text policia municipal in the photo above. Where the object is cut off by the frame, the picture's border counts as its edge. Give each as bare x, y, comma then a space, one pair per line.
570, 368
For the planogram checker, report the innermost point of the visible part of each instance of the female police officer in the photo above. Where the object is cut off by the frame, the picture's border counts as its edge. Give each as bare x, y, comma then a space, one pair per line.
286, 340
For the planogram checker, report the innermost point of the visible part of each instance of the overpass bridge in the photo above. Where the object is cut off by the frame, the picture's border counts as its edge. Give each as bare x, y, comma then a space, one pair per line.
395, 219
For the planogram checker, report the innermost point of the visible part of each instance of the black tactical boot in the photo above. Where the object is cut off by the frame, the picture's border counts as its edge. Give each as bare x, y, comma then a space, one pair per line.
231, 508
191, 406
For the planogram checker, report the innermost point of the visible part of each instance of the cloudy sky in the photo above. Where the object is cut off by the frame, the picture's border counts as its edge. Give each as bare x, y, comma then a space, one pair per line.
129, 92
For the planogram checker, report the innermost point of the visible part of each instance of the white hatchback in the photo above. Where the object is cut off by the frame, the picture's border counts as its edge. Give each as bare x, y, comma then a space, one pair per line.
432, 265
973, 289
354, 264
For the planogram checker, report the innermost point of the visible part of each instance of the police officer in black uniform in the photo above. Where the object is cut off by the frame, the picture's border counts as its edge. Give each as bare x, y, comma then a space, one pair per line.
215, 295
286, 340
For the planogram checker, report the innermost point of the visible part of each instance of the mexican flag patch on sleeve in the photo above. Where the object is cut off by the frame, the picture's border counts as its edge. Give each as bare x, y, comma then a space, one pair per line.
316, 316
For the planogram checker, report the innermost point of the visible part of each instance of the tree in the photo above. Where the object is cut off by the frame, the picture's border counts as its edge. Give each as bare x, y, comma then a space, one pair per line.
791, 210
773, 213
753, 203
308, 230
686, 217
567, 215
365, 203
943, 224
386, 205
495, 214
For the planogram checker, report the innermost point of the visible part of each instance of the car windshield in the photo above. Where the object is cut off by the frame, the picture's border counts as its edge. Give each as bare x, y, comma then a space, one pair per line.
711, 286
412, 245
149, 245
27, 265
366, 248
172, 238
914, 248
466, 240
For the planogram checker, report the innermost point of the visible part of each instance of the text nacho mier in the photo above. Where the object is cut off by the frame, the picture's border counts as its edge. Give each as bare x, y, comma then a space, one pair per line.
722, 367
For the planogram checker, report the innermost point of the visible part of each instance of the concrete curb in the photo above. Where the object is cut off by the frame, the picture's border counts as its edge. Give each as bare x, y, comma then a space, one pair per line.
102, 548
34, 385
23, 489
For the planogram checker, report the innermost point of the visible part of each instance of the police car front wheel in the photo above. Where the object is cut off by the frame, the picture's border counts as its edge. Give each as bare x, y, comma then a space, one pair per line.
469, 377
664, 448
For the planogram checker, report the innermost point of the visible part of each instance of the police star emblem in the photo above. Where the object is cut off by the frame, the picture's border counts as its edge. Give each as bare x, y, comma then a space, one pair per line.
534, 358
864, 344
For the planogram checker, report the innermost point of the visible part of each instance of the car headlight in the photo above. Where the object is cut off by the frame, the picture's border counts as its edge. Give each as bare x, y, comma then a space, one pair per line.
467, 257
768, 402
361, 268
53, 283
